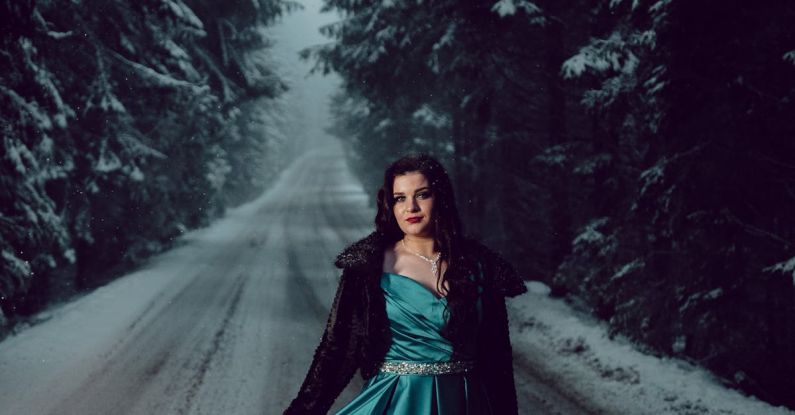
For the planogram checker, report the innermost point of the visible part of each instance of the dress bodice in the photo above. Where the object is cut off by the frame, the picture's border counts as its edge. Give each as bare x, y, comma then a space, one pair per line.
416, 319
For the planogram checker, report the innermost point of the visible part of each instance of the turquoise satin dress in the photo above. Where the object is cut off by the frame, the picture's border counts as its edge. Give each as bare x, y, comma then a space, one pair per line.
416, 317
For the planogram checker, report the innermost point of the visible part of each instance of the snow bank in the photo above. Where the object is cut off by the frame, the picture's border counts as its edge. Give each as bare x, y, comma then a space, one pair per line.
575, 353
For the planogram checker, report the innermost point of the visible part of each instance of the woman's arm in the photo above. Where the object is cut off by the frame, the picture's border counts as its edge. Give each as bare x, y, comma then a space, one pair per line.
495, 354
334, 362
496, 359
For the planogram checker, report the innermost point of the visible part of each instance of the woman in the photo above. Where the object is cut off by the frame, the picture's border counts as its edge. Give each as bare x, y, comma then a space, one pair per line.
420, 311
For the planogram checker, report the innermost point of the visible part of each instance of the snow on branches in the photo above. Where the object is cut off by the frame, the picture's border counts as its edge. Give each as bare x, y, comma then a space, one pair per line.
784, 267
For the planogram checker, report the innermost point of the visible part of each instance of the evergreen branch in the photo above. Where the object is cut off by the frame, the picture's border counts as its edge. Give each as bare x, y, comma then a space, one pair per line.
755, 230
159, 79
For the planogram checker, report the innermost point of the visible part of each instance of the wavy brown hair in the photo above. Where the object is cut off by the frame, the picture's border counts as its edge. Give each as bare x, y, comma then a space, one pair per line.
447, 233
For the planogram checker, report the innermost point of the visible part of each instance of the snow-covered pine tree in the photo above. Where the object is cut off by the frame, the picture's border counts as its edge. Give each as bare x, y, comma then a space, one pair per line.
700, 112
119, 132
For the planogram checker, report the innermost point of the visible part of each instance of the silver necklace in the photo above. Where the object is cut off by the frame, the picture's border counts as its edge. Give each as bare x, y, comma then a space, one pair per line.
433, 261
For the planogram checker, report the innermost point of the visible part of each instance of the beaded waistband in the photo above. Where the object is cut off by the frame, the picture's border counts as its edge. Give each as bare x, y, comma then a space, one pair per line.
427, 368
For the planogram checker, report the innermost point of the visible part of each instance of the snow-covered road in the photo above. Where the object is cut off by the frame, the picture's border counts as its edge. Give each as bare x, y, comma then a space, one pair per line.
226, 323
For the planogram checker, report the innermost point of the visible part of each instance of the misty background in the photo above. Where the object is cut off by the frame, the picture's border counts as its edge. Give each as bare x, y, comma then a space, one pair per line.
637, 157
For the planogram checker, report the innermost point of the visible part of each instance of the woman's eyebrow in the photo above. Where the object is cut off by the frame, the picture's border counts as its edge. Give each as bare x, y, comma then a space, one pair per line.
418, 190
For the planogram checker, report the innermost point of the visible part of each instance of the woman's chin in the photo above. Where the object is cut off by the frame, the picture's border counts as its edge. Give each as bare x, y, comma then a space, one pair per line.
416, 231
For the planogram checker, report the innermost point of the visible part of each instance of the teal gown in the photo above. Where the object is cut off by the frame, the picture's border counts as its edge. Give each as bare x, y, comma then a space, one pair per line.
416, 316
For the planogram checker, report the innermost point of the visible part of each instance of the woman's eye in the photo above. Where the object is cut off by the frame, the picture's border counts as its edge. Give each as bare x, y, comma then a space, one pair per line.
400, 198
424, 195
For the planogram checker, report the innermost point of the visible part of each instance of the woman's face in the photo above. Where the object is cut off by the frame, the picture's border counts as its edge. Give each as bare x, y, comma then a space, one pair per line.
413, 204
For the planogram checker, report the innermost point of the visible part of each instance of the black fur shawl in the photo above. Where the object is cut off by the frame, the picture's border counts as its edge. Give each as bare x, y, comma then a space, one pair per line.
357, 333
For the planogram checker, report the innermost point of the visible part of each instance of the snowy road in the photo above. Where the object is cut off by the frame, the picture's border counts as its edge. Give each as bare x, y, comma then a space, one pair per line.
224, 324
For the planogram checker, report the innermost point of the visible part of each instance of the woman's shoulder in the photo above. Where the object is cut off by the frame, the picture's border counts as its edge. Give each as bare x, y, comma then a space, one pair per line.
499, 273
361, 252
472, 247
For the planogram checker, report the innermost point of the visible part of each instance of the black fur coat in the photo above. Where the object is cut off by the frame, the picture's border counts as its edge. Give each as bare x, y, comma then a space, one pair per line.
357, 334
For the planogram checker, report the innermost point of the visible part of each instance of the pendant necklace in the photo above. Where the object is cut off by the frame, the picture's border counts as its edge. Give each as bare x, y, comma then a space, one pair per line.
433, 261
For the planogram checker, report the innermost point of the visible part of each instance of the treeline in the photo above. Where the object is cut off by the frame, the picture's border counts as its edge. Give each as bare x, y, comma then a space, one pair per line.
123, 124
638, 156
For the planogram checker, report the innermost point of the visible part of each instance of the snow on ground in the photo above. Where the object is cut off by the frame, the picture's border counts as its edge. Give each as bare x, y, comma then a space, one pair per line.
72, 340
574, 352
570, 352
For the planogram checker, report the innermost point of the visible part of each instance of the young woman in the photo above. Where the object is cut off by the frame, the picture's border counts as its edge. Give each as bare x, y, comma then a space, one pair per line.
419, 311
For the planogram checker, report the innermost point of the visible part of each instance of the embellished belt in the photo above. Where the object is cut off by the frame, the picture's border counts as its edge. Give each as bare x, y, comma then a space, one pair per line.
427, 368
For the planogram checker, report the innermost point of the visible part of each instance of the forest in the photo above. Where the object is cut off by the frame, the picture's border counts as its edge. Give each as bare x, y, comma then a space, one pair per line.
124, 124
638, 156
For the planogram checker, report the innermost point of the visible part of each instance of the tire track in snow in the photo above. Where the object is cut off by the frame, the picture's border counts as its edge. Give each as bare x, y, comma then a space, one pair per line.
541, 395
299, 286
215, 345
156, 345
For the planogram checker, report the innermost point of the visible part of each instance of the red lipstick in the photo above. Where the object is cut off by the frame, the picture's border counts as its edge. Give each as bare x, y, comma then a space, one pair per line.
414, 219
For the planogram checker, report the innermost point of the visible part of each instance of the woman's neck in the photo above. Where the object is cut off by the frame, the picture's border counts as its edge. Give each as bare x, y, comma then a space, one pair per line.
419, 244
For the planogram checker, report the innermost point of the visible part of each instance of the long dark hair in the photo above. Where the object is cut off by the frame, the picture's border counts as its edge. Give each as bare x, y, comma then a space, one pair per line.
447, 234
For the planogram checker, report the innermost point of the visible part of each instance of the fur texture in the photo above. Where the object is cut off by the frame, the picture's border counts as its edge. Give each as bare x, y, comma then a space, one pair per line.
357, 332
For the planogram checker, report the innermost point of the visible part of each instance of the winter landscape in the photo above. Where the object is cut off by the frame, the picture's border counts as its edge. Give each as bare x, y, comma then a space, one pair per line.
177, 177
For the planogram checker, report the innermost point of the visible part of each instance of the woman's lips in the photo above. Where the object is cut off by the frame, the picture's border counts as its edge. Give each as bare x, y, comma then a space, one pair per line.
413, 220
